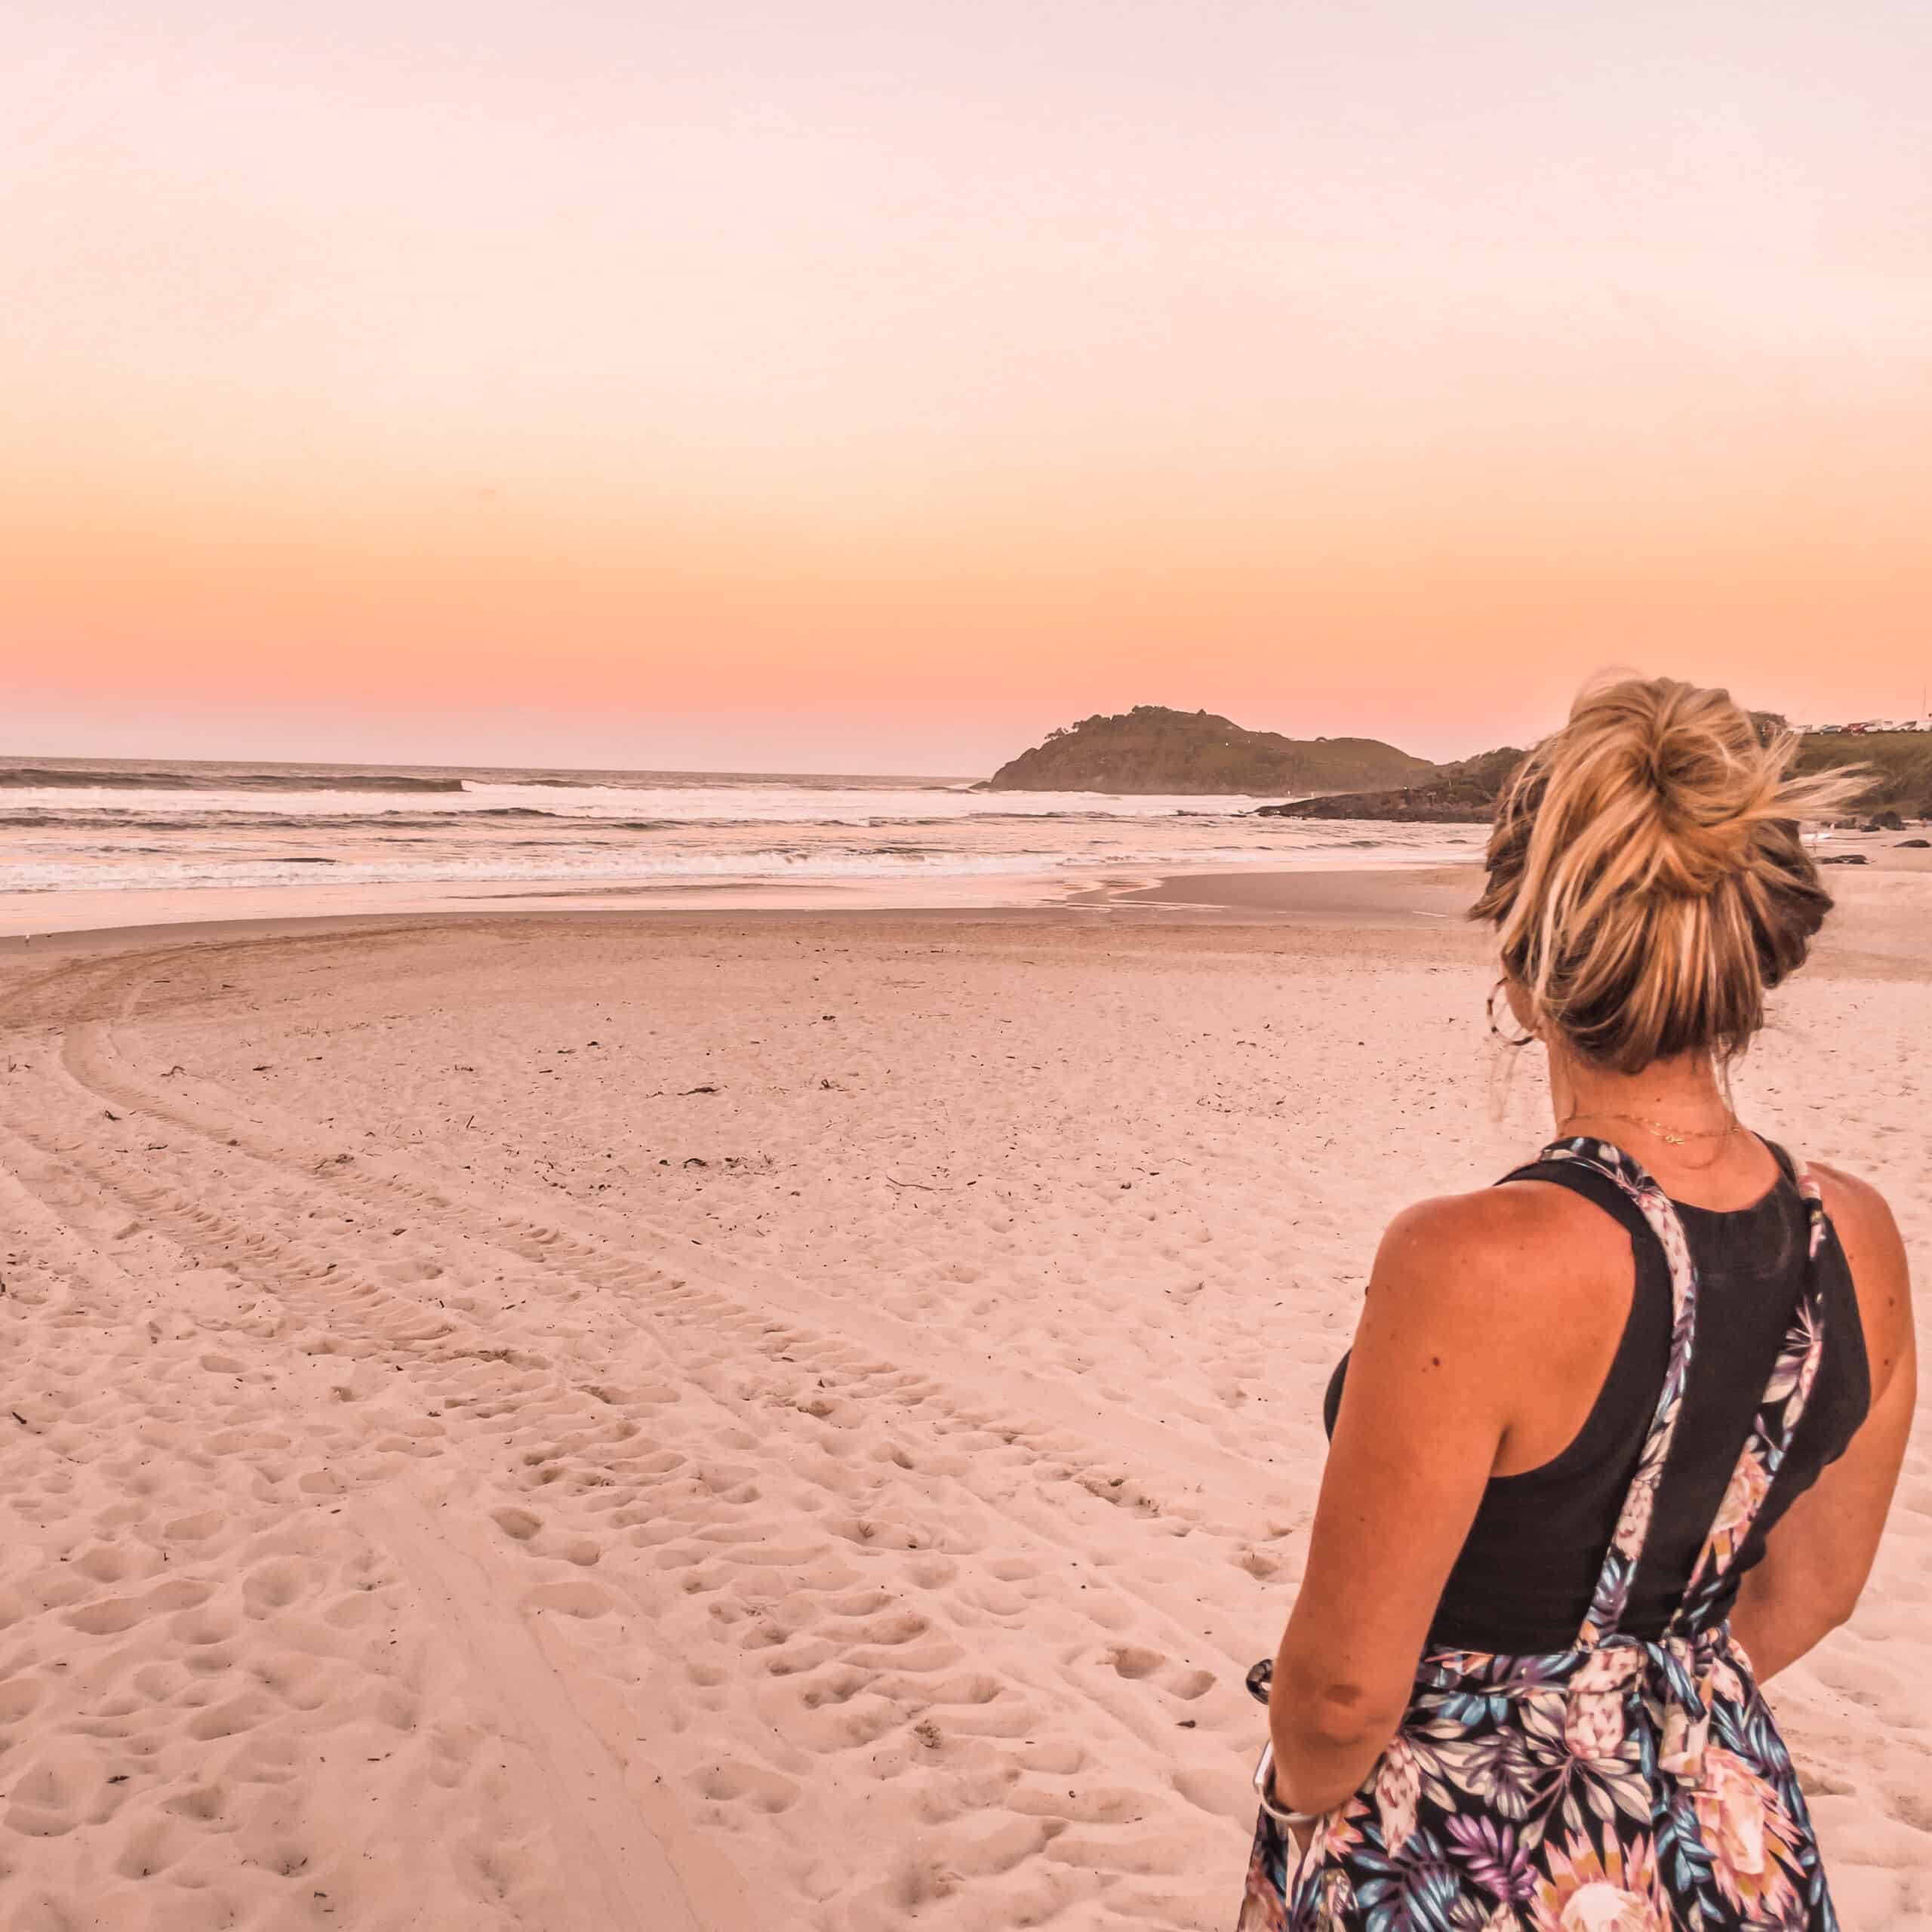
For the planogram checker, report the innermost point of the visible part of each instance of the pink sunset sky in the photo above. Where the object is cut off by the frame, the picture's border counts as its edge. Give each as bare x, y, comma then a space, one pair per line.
872, 387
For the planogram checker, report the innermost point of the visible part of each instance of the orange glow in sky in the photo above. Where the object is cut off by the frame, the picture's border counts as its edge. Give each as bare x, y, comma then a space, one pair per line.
874, 386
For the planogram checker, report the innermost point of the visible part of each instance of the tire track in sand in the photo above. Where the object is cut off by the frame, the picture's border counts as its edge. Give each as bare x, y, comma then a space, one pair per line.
883, 1668
613, 1823
92, 1056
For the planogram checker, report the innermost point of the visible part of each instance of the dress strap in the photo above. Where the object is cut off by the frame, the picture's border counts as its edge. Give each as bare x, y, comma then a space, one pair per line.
1780, 1412
1607, 1601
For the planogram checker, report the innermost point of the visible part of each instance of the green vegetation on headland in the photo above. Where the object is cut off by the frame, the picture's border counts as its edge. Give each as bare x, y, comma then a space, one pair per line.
1900, 764
1151, 750
1463, 793
1466, 792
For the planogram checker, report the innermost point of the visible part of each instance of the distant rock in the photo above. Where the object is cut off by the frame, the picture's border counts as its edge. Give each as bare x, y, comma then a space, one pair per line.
1152, 750
120, 775
1463, 793
1915, 844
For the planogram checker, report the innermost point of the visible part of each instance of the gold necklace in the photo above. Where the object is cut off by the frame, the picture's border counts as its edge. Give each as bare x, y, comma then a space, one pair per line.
1674, 1136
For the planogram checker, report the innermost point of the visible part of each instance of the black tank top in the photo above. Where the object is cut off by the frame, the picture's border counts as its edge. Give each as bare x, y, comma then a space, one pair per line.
1523, 1580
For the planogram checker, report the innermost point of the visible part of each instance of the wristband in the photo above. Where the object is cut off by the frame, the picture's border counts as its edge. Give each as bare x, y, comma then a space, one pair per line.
1264, 1789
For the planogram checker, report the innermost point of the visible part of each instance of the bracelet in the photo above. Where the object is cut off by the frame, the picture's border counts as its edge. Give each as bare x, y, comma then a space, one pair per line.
1264, 1789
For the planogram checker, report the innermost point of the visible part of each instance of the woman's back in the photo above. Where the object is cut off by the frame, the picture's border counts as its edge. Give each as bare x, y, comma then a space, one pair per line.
1523, 1580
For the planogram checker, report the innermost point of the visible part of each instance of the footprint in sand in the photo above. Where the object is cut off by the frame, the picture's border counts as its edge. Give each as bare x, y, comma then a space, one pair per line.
580, 1599
730, 1783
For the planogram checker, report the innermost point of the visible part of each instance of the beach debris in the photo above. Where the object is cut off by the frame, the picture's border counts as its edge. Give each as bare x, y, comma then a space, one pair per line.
1844, 859
697, 1089
692, 1161
1915, 844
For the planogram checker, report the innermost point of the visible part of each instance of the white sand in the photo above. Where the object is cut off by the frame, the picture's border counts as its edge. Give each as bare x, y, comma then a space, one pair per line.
436, 1501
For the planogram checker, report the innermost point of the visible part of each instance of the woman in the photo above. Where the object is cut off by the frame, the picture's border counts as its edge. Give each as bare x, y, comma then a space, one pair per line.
1616, 1440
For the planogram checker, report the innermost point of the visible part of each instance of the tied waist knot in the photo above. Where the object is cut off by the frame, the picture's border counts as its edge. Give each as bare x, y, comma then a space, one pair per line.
1676, 1674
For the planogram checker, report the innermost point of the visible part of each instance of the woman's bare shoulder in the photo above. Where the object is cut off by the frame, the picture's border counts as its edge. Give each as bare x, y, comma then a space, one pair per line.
1499, 1250
1485, 1301
1874, 1251
1852, 1201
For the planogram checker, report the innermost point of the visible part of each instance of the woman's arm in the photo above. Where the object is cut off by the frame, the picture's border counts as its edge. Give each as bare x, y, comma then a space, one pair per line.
1448, 1336
1816, 1560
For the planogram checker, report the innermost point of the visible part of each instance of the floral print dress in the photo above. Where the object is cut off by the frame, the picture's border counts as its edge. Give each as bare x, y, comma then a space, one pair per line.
1624, 1784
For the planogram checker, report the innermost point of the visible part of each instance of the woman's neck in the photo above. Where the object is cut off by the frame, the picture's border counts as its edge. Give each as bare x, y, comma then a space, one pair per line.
1675, 1119
1682, 1095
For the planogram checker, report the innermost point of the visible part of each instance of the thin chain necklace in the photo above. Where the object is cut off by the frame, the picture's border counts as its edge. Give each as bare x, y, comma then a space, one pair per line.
1674, 1136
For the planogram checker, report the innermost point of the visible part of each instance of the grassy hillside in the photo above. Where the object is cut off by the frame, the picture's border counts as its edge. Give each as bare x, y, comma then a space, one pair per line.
1900, 764
1152, 750
1465, 792
1462, 793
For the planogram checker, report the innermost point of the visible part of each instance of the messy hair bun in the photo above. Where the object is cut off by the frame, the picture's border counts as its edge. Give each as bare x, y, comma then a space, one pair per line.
1647, 875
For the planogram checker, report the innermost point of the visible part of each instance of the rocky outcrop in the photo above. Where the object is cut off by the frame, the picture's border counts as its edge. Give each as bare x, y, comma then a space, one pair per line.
1463, 793
1152, 750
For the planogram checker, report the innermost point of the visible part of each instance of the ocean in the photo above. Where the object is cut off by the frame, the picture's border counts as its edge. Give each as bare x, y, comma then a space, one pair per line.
77, 829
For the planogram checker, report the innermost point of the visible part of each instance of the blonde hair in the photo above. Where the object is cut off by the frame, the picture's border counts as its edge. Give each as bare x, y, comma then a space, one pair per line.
1647, 877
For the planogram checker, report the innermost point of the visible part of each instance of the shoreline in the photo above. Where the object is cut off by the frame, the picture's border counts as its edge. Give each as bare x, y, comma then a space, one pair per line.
1367, 896
1356, 892
1390, 896
1332, 885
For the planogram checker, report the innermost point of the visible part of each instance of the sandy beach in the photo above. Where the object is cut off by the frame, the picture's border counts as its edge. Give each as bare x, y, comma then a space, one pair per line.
686, 1421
